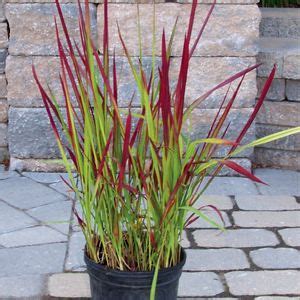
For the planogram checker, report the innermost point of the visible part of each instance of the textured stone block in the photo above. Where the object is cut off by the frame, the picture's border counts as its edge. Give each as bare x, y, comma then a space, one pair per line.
3, 54
293, 90
237, 38
291, 236
277, 158
2, 15
240, 238
276, 91
263, 283
279, 113
32, 27
279, 258
3, 135
3, 35
291, 142
3, 88
291, 67
267, 218
207, 72
4, 155
280, 22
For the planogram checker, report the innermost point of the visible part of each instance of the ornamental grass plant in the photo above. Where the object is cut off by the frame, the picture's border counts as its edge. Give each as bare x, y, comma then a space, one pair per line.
139, 171
280, 3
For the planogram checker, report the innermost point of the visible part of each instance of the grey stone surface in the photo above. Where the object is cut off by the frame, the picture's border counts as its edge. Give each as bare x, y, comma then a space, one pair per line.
3, 35
4, 155
281, 182
33, 260
291, 66
75, 260
185, 243
240, 238
291, 142
69, 285
3, 110
231, 186
220, 201
3, 135
263, 202
56, 215
28, 194
276, 298
31, 236
199, 284
3, 89
276, 91
291, 236
3, 54
7, 174
267, 218
32, 27
237, 39
264, 283
214, 216
23, 287
62, 188
12, 219
43, 177
215, 259
293, 90
279, 258
280, 22
2, 14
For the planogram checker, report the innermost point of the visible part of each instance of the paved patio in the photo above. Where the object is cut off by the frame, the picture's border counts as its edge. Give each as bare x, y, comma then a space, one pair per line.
258, 257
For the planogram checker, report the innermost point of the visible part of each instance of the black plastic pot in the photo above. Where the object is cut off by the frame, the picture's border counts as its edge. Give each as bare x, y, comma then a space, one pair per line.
109, 284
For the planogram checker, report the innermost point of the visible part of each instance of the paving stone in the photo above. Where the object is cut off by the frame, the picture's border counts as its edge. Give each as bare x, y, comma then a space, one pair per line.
31, 236
32, 260
3, 35
2, 15
4, 155
276, 298
3, 55
241, 238
279, 258
293, 90
63, 189
28, 194
220, 201
69, 285
237, 39
291, 67
12, 219
185, 243
281, 182
276, 91
32, 27
231, 186
215, 259
3, 90
7, 174
199, 284
267, 218
264, 283
75, 261
44, 177
267, 202
3, 135
201, 223
23, 287
3, 110
56, 215
291, 142
291, 236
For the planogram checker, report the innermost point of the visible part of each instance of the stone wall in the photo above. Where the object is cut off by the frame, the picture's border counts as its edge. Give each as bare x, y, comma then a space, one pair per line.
279, 43
228, 45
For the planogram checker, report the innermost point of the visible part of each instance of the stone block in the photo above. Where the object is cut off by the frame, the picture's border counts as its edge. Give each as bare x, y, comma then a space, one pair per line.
32, 27
291, 236
20, 286
270, 158
241, 238
280, 22
293, 90
279, 113
215, 259
4, 155
237, 38
3, 111
276, 91
33, 260
2, 13
291, 67
3, 89
263, 283
75, 261
47, 178
3, 135
267, 202
28, 194
207, 72
267, 218
279, 258
291, 142
221, 202
3, 54
3, 35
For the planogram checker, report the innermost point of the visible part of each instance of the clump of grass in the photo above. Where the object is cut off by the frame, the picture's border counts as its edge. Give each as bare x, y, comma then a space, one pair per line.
140, 173
280, 3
